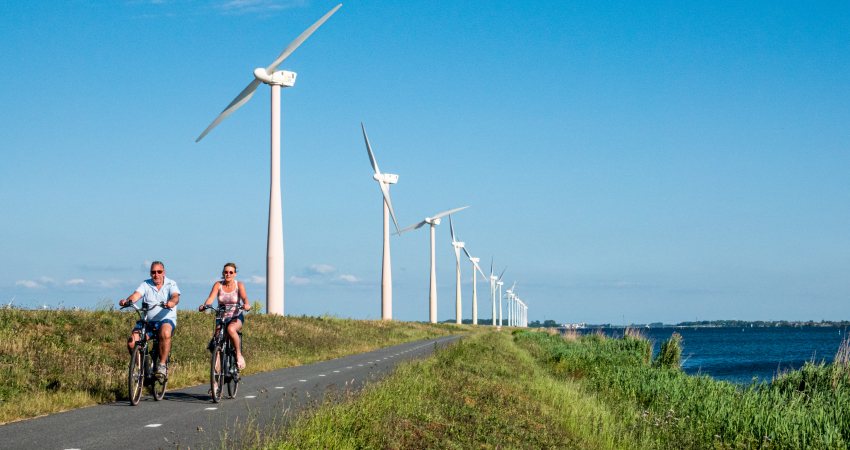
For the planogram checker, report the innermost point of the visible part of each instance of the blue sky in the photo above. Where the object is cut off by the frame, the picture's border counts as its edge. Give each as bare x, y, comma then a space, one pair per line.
628, 161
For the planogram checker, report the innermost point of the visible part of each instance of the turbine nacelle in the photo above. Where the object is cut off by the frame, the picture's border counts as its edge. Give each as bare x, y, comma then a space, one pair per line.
458, 245
283, 78
475, 260
389, 178
431, 221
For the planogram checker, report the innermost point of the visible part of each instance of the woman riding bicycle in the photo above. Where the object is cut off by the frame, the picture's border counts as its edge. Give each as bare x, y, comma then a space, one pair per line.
230, 292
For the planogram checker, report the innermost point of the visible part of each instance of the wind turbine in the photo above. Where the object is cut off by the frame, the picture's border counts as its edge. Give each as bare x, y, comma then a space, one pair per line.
510, 298
457, 246
493, 280
433, 221
475, 267
384, 181
276, 79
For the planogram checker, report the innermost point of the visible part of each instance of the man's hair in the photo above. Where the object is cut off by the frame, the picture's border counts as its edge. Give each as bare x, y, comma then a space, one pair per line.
158, 263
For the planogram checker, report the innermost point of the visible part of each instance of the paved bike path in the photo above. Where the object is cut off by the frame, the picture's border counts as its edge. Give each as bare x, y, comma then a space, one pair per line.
187, 418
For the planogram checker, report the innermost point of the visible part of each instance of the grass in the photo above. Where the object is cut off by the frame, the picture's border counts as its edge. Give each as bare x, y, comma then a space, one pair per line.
52, 361
483, 392
668, 409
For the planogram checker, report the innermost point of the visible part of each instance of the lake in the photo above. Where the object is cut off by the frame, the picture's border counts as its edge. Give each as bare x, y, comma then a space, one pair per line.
741, 355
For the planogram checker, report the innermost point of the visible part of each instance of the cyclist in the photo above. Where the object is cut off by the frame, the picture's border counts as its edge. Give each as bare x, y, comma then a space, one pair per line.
153, 291
230, 292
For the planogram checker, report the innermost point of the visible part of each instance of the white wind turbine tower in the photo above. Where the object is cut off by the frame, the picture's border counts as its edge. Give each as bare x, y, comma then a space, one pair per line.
384, 181
510, 298
457, 246
475, 267
500, 283
276, 79
493, 280
433, 221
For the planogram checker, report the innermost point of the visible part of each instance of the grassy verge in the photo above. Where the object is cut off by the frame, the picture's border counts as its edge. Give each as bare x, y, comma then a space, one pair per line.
667, 409
483, 392
56, 360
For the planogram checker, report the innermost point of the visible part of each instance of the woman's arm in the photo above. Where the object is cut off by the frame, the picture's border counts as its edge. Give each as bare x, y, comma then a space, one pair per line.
246, 305
211, 297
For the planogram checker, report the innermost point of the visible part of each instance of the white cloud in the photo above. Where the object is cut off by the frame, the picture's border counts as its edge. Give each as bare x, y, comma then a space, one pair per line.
75, 282
322, 269
111, 283
298, 281
256, 279
29, 284
348, 278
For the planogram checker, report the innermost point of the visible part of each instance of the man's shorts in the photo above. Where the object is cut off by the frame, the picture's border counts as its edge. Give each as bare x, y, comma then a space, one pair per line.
154, 326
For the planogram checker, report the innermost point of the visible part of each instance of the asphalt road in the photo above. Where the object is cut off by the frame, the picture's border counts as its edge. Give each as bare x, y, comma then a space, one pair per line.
188, 419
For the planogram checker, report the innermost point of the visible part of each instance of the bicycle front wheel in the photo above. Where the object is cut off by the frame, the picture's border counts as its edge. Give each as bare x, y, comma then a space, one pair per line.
216, 374
158, 386
233, 374
135, 377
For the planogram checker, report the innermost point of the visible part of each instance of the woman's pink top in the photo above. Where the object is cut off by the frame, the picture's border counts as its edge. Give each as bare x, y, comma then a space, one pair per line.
231, 299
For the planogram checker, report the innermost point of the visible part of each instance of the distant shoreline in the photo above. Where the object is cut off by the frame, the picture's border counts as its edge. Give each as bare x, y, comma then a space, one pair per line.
732, 324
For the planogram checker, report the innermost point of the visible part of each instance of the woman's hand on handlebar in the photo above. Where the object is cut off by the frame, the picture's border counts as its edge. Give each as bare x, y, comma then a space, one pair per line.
204, 307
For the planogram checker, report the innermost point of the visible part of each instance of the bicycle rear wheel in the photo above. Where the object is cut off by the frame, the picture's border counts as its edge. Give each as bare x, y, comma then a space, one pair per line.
233, 374
216, 374
135, 376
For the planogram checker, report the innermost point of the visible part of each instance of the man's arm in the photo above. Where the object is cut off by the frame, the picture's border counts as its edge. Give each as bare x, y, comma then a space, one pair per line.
133, 298
173, 300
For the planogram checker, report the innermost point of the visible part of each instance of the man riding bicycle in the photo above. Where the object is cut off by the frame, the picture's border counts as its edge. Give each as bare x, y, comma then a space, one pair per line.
154, 291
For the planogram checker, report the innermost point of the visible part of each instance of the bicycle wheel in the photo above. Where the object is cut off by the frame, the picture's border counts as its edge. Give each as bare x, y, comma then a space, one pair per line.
233, 374
158, 386
135, 376
216, 374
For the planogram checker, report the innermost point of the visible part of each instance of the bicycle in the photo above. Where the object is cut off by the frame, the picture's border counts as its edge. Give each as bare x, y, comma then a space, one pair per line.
145, 353
223, 367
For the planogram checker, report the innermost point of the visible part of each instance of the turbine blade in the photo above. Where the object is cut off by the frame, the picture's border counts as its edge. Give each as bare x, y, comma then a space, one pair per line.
513, 287
385, 189
467, 253
452, 228
369, 149
449, 212
237, 103
415, 226
480, 271
491, 266
299, 40
501, 274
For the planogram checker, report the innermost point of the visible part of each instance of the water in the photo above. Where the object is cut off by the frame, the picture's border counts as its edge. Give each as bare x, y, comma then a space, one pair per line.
742, 355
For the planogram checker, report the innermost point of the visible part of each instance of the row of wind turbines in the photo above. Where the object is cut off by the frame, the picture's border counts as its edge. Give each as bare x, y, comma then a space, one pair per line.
278, 79
516, 308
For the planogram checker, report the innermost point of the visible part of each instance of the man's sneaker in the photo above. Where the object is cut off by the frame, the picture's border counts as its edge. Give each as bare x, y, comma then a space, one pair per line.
161, 371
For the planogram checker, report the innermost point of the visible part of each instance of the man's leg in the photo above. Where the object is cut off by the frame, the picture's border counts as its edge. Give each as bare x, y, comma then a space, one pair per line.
131, 341
165, 332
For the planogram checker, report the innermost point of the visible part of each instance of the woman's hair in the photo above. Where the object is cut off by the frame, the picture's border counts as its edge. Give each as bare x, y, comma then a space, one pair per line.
230, 264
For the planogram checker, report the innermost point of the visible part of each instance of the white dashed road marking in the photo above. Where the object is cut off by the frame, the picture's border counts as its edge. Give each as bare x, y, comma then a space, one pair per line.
303, 381
153, 425
211, 408
278, 387
250, 396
